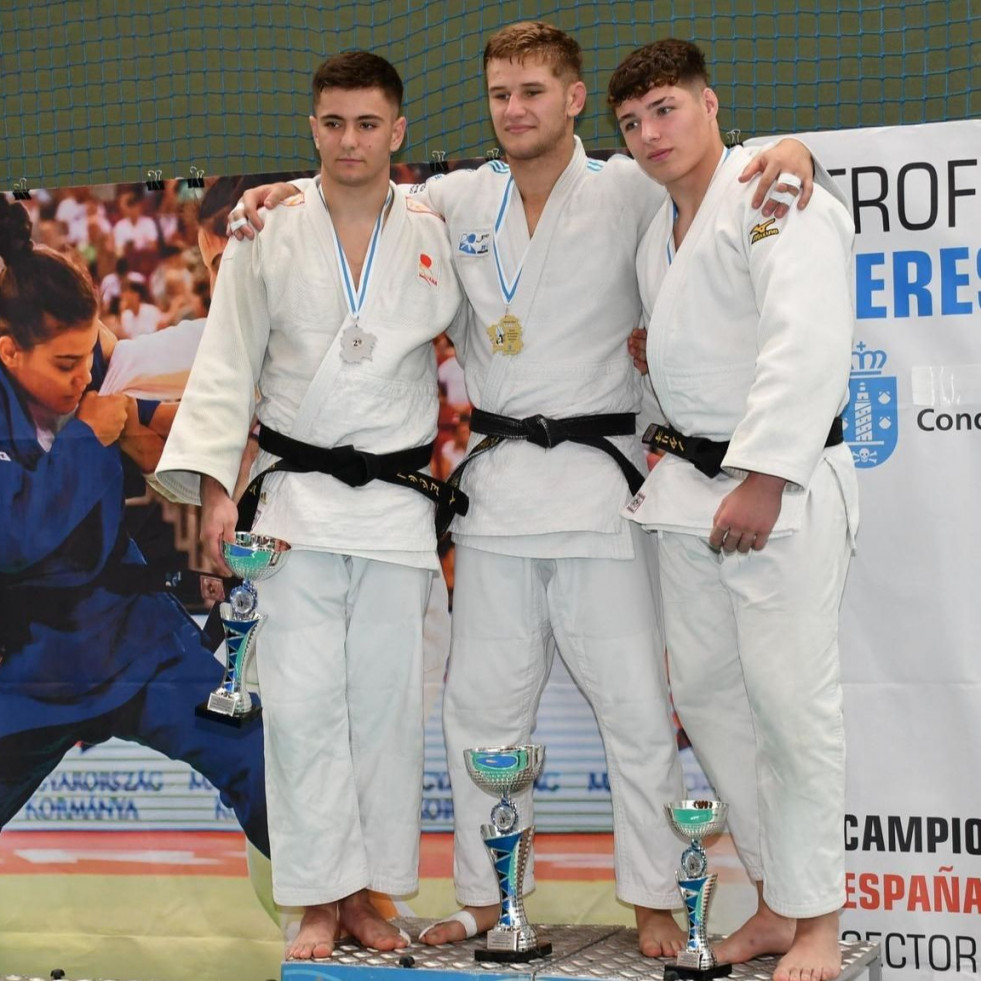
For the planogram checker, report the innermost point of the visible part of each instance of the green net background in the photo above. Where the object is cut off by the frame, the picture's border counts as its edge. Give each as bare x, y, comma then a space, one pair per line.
105, 90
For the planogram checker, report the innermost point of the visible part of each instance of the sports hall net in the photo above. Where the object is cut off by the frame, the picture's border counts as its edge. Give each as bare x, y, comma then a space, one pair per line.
106, 90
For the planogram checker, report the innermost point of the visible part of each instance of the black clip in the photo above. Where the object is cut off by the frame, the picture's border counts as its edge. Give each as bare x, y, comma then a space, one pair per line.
197, 177
494, 153
154, 181
21, 193
438, 164
733, 137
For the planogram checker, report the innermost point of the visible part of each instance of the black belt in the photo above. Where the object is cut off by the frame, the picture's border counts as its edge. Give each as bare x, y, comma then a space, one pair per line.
18, 604
706, 455
352, 467
589, 430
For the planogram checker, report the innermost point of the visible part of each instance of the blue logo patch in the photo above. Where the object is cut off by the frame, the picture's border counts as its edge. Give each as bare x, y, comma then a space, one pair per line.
871, 420
475, 243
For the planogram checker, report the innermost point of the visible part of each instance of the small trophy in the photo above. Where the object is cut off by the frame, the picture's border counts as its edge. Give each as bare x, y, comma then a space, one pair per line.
505, 771
251, 557
695, 820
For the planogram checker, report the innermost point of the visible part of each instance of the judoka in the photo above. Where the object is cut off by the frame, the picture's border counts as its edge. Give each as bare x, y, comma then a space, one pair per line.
755, 502
332, 313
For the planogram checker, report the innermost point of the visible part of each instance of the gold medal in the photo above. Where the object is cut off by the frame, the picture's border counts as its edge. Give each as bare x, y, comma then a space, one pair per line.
505, 335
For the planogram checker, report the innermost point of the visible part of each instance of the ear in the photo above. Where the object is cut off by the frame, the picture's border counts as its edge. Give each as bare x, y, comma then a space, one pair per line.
711, 102
313, 130
398, 133
9, 351
576, 98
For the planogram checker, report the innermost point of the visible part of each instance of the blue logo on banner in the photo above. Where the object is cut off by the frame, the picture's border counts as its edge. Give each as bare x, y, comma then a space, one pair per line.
871, 420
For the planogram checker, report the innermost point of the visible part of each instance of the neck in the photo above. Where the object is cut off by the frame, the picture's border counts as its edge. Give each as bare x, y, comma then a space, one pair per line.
354, 204
689, 190
536, 177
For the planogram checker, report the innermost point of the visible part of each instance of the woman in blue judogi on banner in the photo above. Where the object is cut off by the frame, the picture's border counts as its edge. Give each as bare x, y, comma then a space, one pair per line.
90, 648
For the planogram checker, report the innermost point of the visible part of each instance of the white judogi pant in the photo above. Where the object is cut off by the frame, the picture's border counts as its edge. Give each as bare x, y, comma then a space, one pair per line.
340, 675
753, 656
509, 614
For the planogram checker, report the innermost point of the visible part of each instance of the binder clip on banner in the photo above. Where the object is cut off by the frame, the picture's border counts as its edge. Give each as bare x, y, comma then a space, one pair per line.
197, 177
21, 193
437, 163
154, 180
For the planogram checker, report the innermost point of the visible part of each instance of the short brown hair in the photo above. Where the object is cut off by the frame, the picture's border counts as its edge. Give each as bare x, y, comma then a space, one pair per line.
358, 70
536, 39
667, 62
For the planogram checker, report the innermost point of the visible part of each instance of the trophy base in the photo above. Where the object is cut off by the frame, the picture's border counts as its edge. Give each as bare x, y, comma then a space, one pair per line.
673, 972
239, 720
514, 956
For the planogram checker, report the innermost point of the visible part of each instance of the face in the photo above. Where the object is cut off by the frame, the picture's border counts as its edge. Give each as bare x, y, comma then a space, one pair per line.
54, 374
356, 131
532, 110
211, 247
670, 130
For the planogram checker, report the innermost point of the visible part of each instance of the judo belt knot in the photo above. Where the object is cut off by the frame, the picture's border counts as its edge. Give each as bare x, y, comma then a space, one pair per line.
354, 467
542, 431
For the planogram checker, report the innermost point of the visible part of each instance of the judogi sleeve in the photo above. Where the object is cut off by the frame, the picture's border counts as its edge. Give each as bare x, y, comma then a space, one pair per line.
212, 424
799, 270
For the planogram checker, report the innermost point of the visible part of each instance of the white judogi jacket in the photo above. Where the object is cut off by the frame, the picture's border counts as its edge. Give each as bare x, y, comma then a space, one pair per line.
277, 322
749, 340
577, 301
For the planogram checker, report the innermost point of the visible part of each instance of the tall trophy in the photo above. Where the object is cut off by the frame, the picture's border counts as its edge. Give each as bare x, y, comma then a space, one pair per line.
695, 820
252, 558
502, 772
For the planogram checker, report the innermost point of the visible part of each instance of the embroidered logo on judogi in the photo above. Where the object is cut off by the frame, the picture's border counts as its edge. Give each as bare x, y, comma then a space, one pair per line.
763, 230
475, 243
428, 268
357, 345
296, 199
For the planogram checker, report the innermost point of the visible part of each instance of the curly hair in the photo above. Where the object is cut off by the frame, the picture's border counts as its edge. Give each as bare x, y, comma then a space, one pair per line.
667, 62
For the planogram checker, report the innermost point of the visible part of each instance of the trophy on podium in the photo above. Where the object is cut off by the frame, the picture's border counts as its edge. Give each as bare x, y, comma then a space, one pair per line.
251, 557
695, 820
502, 772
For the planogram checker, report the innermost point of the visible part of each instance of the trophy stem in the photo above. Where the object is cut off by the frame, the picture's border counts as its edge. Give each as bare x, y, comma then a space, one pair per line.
513, 939
697, 960
231, 702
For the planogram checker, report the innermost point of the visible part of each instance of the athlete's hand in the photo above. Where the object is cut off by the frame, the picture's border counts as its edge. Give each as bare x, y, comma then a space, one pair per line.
244, 221
219, 516
788, 156
105, 415
637, 346
747, 515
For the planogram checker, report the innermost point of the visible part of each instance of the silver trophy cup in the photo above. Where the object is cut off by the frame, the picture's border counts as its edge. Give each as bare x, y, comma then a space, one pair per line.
695, 820
252, 558
502, 772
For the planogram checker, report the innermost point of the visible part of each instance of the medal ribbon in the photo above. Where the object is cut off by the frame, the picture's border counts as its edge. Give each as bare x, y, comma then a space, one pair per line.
508, 288
355, 297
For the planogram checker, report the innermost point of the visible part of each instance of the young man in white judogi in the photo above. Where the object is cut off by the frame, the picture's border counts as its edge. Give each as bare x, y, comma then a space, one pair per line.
749, 347
332, 313
545, 249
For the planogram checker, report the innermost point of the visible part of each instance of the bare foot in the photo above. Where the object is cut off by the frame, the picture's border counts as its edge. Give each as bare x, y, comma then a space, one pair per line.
317, 934
452, 931
815, 954
359, 918
765, 932
658, 935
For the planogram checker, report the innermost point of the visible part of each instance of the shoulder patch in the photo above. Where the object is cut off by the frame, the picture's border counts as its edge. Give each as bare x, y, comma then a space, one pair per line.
411, 204
762, 230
